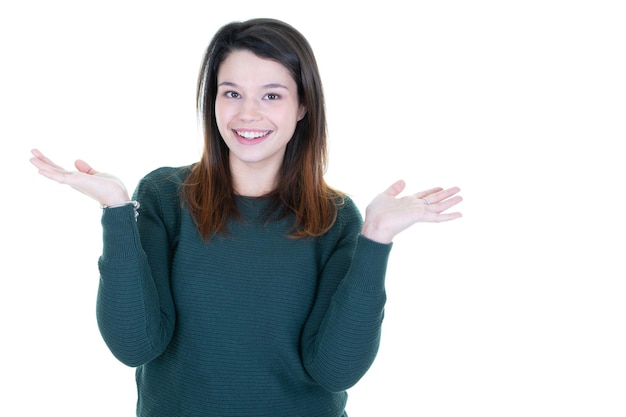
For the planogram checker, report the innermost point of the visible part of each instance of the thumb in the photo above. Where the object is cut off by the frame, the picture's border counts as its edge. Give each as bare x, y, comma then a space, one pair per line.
395, 188
84, 167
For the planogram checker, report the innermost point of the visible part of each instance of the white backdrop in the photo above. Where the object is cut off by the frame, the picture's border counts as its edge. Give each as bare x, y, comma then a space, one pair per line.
517, 309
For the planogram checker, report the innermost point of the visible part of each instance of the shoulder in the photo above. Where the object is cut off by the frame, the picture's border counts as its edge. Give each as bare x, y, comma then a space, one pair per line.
347, 211
348, 221
167, 175
162, 186
342, 237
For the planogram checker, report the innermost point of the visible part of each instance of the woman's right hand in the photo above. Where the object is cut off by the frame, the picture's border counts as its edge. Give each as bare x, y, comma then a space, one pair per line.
104, 188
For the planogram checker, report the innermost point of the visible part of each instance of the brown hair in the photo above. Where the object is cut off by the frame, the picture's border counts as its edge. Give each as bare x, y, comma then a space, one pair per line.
301, 189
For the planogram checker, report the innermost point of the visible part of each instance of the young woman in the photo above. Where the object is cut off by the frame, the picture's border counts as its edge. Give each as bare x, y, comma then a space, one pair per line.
243, 285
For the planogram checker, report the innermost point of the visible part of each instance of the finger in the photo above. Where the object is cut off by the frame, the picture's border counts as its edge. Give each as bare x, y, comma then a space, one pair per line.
444, 217
83, 166
395, 188
424, 194
441, 194
49, 169
44, 159
46, 166
445, 204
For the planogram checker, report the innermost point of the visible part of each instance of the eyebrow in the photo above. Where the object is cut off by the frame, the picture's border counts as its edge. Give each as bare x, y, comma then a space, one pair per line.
271, 85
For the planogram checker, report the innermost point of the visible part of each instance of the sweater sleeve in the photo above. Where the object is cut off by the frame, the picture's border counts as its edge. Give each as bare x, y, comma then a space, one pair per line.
341, 338
135, 311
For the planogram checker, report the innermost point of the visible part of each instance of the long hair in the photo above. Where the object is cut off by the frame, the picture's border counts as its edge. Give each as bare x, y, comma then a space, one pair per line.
301, 191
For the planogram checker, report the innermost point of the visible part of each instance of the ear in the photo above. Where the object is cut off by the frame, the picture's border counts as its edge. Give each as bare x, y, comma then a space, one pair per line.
301, 112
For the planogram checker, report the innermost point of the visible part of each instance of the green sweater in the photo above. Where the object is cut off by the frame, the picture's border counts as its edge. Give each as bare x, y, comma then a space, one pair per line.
252, 324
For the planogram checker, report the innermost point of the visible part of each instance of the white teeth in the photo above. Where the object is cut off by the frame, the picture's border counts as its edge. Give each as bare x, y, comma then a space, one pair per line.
252, 135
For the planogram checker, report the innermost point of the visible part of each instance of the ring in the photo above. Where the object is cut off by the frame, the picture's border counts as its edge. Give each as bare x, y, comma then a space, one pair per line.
426, 201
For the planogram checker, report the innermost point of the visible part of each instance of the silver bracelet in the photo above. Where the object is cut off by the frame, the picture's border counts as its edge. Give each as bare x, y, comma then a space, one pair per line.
133, 203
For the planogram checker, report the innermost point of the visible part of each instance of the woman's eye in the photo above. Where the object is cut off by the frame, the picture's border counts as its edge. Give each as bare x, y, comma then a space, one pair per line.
272, 96
232, 94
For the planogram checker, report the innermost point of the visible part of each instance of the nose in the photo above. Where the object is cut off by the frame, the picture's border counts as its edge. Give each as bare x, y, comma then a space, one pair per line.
249, 110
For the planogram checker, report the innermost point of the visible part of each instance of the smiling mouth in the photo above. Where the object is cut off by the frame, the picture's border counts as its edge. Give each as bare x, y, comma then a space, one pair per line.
252, 135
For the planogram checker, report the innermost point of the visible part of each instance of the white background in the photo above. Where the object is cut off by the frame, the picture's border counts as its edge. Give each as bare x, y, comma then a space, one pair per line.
517, 309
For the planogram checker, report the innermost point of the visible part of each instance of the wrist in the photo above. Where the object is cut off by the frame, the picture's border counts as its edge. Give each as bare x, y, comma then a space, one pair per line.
377, 234
133, 203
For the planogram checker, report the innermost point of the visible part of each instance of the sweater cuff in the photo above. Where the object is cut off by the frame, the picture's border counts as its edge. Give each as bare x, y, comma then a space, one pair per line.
370, 261
119, 232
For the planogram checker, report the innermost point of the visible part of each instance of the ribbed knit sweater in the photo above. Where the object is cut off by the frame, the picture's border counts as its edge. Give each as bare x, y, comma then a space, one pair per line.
251, 324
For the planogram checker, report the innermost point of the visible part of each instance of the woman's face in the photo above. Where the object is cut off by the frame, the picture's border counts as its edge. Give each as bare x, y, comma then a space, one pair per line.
256, 109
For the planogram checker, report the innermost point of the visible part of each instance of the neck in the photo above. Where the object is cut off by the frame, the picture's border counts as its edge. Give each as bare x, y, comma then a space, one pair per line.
251, 181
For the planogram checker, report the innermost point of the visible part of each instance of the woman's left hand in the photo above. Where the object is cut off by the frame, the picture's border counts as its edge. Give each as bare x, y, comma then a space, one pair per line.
387, 215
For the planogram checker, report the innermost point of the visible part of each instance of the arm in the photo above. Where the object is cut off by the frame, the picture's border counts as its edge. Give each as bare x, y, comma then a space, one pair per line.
134, 307
135, 310
341, 337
